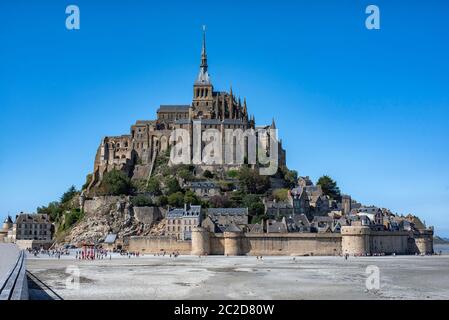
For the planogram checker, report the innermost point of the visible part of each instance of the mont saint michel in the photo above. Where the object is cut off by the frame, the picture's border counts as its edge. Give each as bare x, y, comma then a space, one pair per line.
216, 190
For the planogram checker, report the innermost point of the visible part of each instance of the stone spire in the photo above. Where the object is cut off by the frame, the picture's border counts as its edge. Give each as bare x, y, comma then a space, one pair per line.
203, 52
231, 104
203, 75
245, 111
273, 125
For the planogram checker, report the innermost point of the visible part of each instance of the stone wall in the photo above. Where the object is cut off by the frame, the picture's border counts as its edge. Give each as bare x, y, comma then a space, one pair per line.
358, 240
159, 244
34, 244
92, 206
361, 240
319, 244
236, 243
147, 215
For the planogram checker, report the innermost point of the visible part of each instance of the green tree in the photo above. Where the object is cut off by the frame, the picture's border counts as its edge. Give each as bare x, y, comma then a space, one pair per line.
68, 195
161, 201
233, 174
252, 182
172, 185
259, 218
190, 197
236, 198
254, 204
176, 199
280, 194
116, 182
290, 177
53, 209
154, 186
329, 187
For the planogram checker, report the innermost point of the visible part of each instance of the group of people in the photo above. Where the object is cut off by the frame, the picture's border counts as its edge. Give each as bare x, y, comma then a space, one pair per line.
173, 254
52, 253
98, 254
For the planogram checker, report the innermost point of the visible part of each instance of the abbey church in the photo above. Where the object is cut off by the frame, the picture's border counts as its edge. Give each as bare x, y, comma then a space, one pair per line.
135, 153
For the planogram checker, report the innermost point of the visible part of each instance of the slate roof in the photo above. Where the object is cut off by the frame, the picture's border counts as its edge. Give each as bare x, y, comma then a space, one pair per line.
110, 238
276, 227
228, 211
174, 213
173, 108
32, 218
255, 227
203, 184
301, 219
232, 228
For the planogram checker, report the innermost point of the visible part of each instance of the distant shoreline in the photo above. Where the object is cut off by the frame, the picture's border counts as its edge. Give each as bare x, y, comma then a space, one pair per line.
440, 240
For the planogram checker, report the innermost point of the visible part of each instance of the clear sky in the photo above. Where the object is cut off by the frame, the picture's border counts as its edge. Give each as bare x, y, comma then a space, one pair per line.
368, 107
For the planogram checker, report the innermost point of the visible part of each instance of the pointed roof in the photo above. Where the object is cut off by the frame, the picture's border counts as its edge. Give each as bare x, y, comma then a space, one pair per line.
232, 228
273, 124
203, 75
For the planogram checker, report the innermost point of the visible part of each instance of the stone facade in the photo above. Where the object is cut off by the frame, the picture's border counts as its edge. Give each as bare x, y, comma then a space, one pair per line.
32, 227
180, 222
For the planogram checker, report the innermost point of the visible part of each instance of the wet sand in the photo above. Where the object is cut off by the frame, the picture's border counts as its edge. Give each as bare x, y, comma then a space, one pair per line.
218, 277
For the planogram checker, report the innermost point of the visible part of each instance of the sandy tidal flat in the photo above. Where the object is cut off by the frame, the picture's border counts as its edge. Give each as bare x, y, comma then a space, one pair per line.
218, 277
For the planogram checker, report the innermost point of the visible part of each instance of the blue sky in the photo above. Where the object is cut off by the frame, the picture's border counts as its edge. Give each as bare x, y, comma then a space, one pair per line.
368, 107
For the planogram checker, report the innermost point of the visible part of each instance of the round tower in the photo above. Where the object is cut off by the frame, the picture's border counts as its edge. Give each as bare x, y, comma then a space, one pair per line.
355, 240
7, 224
200, 241
232, 243
424, 241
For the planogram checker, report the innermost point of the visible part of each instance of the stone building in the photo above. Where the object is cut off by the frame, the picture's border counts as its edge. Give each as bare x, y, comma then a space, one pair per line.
6, 229
227, 216
32, 227
204, 189
135, 153
180, 222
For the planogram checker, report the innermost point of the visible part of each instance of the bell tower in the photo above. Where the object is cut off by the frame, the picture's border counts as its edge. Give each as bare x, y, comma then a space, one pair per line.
202, 89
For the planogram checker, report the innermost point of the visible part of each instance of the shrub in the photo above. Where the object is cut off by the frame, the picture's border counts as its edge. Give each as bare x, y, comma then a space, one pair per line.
116, 183
233, 174
88, 181
72, 217
141, 201
280, 194
207, 174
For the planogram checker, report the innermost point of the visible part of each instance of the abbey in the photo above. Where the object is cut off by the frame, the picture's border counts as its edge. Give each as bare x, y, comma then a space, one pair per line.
136, 152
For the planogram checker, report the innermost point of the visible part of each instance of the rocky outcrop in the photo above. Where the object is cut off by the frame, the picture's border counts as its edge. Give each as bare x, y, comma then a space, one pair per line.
113, 214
